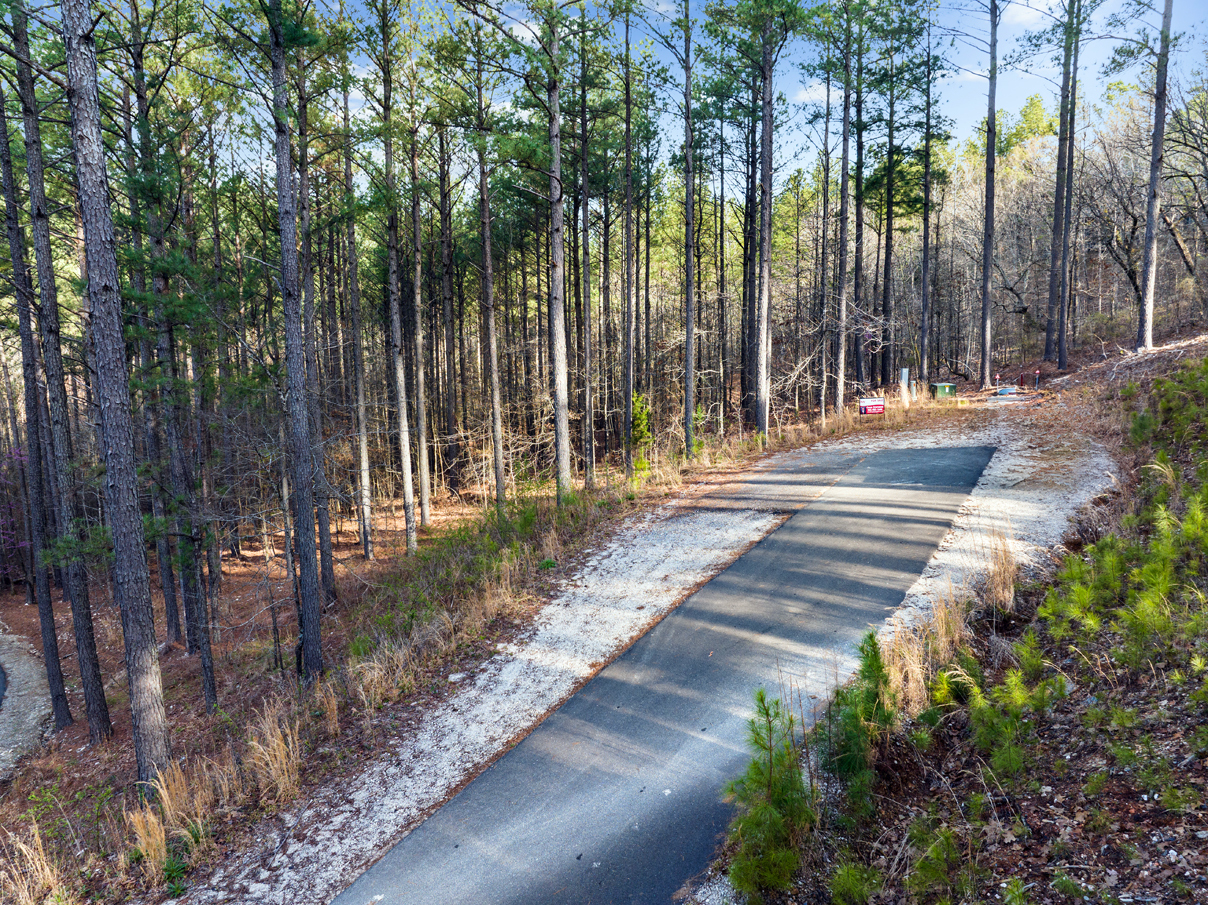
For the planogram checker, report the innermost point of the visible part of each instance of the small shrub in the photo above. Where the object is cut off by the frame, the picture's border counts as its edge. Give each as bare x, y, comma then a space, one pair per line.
774, 806
936, 868
854, 884
1015, 893
1068, 886
863, 713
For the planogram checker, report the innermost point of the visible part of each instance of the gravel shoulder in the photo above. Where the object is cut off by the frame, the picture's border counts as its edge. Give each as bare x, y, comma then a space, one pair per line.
25, 711
1032, 487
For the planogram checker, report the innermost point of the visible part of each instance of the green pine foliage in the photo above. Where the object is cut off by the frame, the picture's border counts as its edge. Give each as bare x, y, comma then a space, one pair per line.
860, 719
775, 807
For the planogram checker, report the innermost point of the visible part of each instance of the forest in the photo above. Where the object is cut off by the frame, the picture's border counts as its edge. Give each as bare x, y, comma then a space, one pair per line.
275, 268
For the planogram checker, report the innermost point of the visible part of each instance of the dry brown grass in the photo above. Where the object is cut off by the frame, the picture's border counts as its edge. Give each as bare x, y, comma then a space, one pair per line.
274, 751
186, 800
382, 676
914, 655
151, 840
31, 876
997, 587
328, 700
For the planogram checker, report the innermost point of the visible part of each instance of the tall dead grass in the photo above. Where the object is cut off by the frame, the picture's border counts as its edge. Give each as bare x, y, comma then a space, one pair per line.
274, 751
382, 676
916, 653
151, 840
997, 586
29, 874
187, 800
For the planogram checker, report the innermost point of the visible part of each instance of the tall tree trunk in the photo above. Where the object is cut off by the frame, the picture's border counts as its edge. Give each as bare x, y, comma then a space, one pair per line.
1067, 218
301, 448
452, 430
925, 275
589, 414
857, 296
24, 291
557, 268
397, 367
844, 213
306, 267
131, 579
763, 382
59, 467
421, 401
628, 268
888, 359
1059, 225
1153, 199
364, 499
689, 246
488, 287
988, 232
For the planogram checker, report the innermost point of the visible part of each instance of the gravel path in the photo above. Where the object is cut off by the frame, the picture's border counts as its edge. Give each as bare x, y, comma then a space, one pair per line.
1029, 492
25, 708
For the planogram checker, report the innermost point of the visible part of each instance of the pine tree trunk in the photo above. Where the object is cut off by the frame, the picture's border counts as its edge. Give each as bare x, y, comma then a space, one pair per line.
306, 268
689, 247
131, 578
452, 430
24, 291
589, 414
62, 494
844, 213
763, 342
1067, 218
364, 499
488, 287
301, 448
925, 275
887, 332
988, 233
421, 401
628, 269
857, 296
1063, 139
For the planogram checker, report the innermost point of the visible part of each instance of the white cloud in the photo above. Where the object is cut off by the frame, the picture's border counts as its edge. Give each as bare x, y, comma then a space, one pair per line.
1023, 15
813, 93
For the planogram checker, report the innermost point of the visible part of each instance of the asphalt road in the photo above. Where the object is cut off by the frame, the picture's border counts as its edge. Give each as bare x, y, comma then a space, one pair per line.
616, 797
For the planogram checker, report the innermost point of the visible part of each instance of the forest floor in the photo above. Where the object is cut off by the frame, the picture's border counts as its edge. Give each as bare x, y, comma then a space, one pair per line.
368, 783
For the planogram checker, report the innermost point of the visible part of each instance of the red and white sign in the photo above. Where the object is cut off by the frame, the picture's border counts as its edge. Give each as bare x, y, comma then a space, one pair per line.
872, 405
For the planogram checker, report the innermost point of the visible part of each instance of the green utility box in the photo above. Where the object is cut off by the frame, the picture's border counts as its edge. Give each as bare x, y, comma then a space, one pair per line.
943, 391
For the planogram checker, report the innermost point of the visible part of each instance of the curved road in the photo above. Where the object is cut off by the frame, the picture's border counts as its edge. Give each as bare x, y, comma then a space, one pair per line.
615, 798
